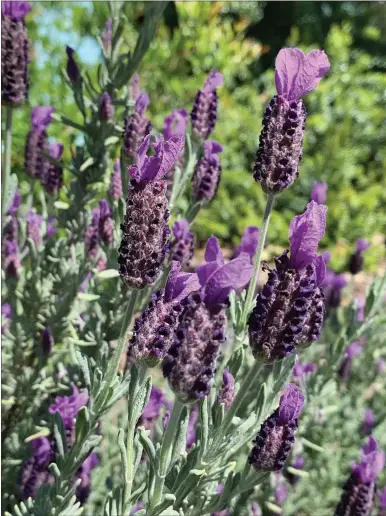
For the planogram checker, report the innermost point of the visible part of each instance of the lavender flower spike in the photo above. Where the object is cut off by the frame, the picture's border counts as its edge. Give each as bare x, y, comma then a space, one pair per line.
249, 242
182, 245
37, 142
15, 204
175, 123
204, 112
154, 329
368, 422
227, 391
115, 189
276, 436
356, 260
319, 192
382, 502
14, 53
107, 35
46, 341
53, 180
353, 350
72, 67
358, 493
281, 139
332, 287
191, 360
91, 237
34, 228
289, 310
137, 126
105, 223
145, 230
106, 108
207, 173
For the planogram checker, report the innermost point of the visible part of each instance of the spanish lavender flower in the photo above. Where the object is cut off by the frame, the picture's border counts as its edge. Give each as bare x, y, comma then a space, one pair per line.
276, 436
281, 494
107, 35
106, 108
46, 341
175, 123
207, 173
154, 329
14, 53
105, 224
360, 306
332, 288
227, 391
289, 310
115, 189
300, 370
72, 67
256, 511
84, 474
204, 112
225, 512
319, 192
51, 228
6, 316
382, 502
134, 87
182, 245
326, 255
153, 408
34, 473
15, 204
191, 430
53, 179
145, 228
358, 492
356, 260
68, 407
292, 478
91, 237
137, 126
35, 164
11, 258
191, 361
249, 242
368, 422
281, 139
34, 228
352, 351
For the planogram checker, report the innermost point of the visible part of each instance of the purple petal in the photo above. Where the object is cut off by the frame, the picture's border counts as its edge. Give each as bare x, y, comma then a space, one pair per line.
171, 149
326, 255
213, 251
297, 74
354, 349
175, 123
362, 245
372, 461
56, 150
15, 10
291, 403
305, 231
214, 80
142, 102
41, 116
134, 86
231, 276
180, 229
205, 271
211, 151
319, 192
249, 241
320, 269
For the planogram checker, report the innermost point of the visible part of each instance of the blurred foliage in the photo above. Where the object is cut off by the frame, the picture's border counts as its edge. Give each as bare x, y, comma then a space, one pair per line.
346, 133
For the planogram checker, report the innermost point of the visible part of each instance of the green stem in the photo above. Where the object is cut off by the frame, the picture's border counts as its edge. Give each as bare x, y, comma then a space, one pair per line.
7, 156
256, 269
166, 452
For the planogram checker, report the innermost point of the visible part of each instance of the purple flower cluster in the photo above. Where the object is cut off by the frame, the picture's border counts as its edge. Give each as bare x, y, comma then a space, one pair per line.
249, 242
289, 309
10, 245
182, 245
204, 112
276, 436
227, 391
207, 173
36, 165
356, 260
6, 316
281, 139
352, 351
100, 229
175, 123
35, 473
34, 228
145, 229
137, 126
319, 192
53, 179
14, 53
115, 189
106, 108
358, 492
72, 68
107, 35
191, 360
332, 287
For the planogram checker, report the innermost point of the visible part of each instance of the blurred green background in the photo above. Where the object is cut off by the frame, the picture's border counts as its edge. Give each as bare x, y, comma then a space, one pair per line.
346, 129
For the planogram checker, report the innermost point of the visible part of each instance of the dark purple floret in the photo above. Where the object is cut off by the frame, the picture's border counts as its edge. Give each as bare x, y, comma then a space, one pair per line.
207, 173
137, 126
84, 474
292, 478
37, 143
14, 53
204, 112
106, 108
34, 228
227, 391
145, 230
289, 310
53, 180
34, 473
91, 237
368, 422
15, 204
155, 328
276, 436
358, 492
11, 258
72, 67
356, 260
115, 189
191, 360
46, 341
332, 287
105, 224
182, 245
352, 351
6, 316
281, 139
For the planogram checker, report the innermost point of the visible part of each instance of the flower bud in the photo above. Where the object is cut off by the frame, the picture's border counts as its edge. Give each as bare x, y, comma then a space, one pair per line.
204, 112
106, 108
227, 392
207, 173
182, 245
356, 260
36, 165
46, 341
137, 126
105, 223
115, 189
53, 180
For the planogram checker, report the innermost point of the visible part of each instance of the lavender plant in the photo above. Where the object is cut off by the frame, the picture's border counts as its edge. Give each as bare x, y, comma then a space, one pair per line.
97, 308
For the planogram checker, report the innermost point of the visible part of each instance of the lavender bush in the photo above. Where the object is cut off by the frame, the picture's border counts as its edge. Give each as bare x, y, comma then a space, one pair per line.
136, 383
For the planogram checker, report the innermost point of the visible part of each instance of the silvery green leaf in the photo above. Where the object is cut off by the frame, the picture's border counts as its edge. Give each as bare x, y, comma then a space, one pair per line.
232, 307
236, 361
85, 367
148, 446
85, 451
179, 446
141, 398
61, 205
12, 187
82, 424
123, 452
60, 435
164, 506
88, 297
218, 412
107, 274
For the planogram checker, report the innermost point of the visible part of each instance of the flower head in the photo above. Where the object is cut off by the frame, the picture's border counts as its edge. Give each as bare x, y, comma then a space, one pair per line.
182, 246
37, 143
368, 422
107, 35
34, 228
106, 108
15, 10
54, 177
175, 123
105, 223
227, 390
15, 203
319, 192
356, 260
249, 242
68, 406
204, 112
115, 189
207, 173
46, 341
300, 370
72, 67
